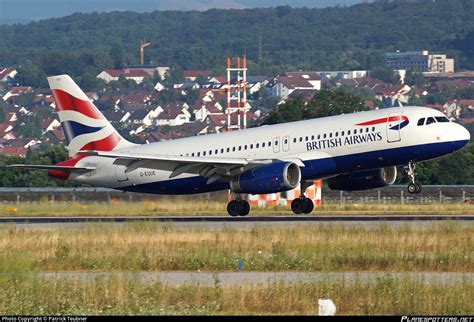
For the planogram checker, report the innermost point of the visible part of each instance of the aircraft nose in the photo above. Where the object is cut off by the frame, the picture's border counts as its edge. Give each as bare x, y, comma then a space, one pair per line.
463, 134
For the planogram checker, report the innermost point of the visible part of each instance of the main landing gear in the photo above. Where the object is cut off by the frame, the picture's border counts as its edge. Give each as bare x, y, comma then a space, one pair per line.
413, 186
302, 204
238, 207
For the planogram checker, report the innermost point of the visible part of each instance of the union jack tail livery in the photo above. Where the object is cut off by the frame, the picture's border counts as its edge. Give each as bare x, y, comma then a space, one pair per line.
84, 125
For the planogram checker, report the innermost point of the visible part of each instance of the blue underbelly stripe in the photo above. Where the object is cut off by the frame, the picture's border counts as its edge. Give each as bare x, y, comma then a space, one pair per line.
314, 169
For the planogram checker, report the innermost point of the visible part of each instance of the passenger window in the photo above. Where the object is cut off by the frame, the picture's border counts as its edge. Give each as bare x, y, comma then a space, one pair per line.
306, 139
233, 149
324, 135
361, 130
228, 150
301, 139
294, 140
263, 144
366, 130
286, 141
430, 120
421, 121
199, 154
269, 143
319, 136
204, 154
192, 154
342, 133
330, 135
348, 132
441, 119
240, 148
210, 152
337, 134
257, 145
312, 137
373, 129
251, 146
217, 151
222, 150
276, 142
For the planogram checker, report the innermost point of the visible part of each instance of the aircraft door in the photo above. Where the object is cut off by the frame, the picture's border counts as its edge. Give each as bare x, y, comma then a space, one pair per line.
120, 173
286, 143
393, 127
276, 144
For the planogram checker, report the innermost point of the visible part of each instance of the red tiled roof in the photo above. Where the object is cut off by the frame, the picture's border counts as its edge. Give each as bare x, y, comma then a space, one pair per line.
195, 73
466, 102
20, 151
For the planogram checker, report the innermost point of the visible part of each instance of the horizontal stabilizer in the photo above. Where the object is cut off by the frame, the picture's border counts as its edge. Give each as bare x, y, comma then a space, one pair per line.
51, 167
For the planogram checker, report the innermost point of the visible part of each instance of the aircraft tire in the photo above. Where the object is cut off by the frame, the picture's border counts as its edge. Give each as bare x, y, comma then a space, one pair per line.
412, 188
309, 206
298, 205
234, 208
418, 188
245, 208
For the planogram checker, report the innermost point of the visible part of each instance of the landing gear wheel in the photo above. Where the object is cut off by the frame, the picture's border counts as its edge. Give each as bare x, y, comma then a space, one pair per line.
418, 188
298, 205
245, 208
233, 208
309, 206
302, 205
238, 208
412, 188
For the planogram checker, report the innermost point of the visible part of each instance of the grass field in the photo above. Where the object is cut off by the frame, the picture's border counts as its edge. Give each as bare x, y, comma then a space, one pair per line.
203, 207
30, 295
147, 246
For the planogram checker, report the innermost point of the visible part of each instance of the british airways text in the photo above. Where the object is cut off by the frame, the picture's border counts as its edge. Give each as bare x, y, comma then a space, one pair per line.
350, 140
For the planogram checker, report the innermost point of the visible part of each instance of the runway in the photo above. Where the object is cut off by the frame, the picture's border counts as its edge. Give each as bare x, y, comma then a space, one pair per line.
220, 222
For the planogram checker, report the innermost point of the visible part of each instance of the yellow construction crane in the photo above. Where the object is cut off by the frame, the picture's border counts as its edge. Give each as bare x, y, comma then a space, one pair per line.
143, 44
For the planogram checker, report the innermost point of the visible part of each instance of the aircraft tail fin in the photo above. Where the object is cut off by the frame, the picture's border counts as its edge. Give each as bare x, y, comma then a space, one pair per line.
84, 125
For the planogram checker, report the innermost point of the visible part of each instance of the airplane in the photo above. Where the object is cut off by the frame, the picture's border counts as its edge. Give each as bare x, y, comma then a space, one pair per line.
357, 151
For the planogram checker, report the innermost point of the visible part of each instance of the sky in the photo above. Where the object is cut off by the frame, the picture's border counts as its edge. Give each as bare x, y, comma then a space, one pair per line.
24, 11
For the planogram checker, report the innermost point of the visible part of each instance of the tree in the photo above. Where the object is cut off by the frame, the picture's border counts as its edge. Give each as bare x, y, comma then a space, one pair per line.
30, 74
386, 75
324, 103
2, 111
415, 78
117, 55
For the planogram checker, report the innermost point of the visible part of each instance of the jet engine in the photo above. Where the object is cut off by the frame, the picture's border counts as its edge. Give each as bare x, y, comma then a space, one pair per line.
364, 180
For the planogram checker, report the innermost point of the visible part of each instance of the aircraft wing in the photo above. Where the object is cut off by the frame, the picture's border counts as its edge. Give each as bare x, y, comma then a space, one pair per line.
214, 168
50, 167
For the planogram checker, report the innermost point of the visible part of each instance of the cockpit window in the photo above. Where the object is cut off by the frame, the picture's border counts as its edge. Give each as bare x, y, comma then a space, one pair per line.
430, 120
441, 119
421, 121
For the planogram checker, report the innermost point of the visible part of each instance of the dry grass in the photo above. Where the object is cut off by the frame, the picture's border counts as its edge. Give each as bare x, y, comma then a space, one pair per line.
387, 295
208, 207
160, 247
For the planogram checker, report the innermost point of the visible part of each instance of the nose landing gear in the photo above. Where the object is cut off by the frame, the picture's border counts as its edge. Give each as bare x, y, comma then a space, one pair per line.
413, 187
302, 204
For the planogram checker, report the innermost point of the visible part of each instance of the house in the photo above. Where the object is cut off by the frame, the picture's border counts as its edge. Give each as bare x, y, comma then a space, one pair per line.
390, 94
282, 86
137, 75
49, 124
16, 91
117, 116
173, 114
7, 74
159, 87
202, 109
13, 151
144, 117
191, 75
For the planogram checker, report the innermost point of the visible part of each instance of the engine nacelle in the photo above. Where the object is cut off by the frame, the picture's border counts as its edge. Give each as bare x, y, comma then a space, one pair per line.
275, 177
364, 180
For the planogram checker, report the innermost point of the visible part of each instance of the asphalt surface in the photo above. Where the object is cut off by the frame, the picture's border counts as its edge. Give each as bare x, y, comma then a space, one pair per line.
217, 218
265, 278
